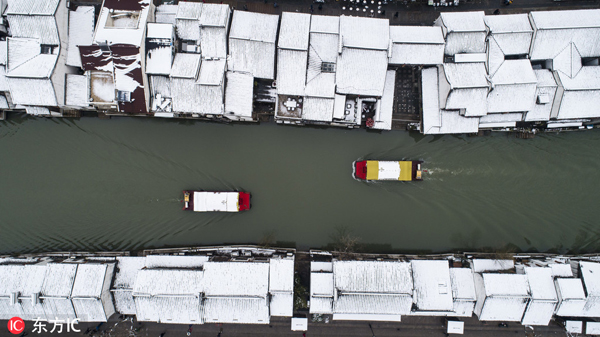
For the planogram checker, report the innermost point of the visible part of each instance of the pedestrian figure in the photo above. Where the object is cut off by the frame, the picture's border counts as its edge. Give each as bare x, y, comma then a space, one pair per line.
245, 7
320, 7
396, 15
311, 8
275, 5
383, 12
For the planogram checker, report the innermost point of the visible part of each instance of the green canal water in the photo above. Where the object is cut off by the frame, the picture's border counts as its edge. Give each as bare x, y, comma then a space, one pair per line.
116, 184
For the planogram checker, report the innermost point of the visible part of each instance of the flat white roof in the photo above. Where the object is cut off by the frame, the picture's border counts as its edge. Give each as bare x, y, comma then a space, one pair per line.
318, 109
373, 276
574, 326
321, 284
433, 290
570, 288
239, 93
236, 279
417, 34
561, 269
592, 328
294, 30
254, 26
291, 71
463, 286
216, 201
281, 275
299, 324
506, 285
365, 33
541, 283
321, 266
361, 71
464, 21
455, 327
130, 32
590, 273
325, 24
383, 115
282, 304
186, 65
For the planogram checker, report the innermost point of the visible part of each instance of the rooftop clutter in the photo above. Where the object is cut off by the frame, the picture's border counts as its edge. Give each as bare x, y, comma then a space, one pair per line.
475, 71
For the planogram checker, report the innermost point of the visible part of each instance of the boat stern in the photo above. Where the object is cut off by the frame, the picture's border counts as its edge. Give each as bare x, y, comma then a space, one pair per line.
417, 171
188, 199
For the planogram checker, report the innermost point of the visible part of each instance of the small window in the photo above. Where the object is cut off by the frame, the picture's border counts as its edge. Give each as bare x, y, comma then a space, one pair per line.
47, 49
123, 96
328, 67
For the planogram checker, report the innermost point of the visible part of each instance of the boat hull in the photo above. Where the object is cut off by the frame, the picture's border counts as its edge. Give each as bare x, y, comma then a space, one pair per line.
374, 170
210, 201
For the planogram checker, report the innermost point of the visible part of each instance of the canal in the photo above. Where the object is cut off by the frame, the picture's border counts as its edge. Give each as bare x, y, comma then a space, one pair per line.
92, 184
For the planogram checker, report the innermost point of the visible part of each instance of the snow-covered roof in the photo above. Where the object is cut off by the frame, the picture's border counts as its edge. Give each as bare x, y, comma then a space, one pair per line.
77, 90
186, 65
81, 32
541, 283
255, 57
215, 15
185, 95
513, 33
294, 30
42, 28
433, 290
373, 276
463, 21
180, 282
561, 269
325, 24
236, 279
466, 75
538, 313
32, 7
500, 120
90, 278
59, 280
465, 42
463, 287
435, 120
281, 275
386, 304
216, 201
321, 305
568, 61
572, 299
481, 265
159, 48
3, 52
187, 20
590, 273
592, 328
24, 279
514, 87
318, 109
321, 266
361, 72
166, 14
365, 33
115, 28
556, 29
291, 71
236, 310
213, 42
417, 45
239, 93
212, 72
189, 10
545, 91
582, 94
321, 284
506, 285
282, 304
29, 91
170, 261
254, 26
383, 115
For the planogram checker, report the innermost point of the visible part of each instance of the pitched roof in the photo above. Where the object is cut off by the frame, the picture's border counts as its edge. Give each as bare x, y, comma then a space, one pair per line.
541, 283
89, 280
356, 75
373, 276
254, 26
215, 15
81, 32
239, 93
212, 72
416, 34
366, 33
294, 31
32, 7
186, 65
236, 279
433, 290
291, 71
463, 21
325, 24
179, 282
506, 285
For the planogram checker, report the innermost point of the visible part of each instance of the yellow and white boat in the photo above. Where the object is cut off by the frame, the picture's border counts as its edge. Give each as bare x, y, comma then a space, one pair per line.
387, 170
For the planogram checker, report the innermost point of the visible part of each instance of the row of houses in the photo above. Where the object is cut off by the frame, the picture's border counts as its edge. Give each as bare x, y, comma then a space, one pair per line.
215, 285
531, 293
250, 285
198, 60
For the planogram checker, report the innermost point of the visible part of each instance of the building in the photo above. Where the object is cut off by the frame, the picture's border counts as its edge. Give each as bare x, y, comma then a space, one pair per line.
432, 287
571, 297
122, 288
115, 61
90, 295
591, 282
416, 45
187, 23
252, 44
543, 296
214, 27
464, 32
511, 33
501, 297
463, 291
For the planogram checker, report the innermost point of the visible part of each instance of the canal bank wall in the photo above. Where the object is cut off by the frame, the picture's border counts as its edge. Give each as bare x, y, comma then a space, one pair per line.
254, 285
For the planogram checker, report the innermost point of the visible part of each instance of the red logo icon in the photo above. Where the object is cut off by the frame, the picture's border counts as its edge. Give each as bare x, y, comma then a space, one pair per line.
16, 325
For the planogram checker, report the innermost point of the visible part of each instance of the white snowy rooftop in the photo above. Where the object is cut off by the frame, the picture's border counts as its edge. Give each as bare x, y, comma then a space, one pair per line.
481, 265
294, 31
506, 285
120, 23
417, 45
541, 283
81, 32
365, 33
433, 290
214, 15
590, 273
325, 24
236, 279
463, 21
373, 276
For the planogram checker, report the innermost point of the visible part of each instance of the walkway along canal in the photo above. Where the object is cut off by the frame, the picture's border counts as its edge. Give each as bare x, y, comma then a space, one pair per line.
91, 184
